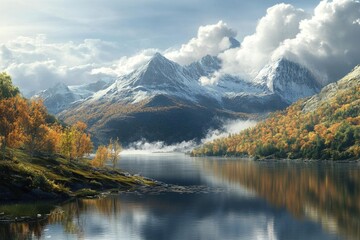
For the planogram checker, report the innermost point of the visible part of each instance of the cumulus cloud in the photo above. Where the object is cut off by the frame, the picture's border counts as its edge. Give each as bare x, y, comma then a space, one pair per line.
281, 22
35, 63
211, 80
126, 64
326, 41
210, 39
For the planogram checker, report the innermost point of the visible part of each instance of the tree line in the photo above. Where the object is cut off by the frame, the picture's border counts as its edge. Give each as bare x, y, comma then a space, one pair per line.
25, 124
331, 131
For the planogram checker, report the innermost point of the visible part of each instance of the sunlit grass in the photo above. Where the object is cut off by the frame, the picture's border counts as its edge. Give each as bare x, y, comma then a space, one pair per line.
55, 174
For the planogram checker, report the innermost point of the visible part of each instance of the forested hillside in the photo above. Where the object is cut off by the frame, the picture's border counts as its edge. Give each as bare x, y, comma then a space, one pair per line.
25, 124
41, 158
326, 126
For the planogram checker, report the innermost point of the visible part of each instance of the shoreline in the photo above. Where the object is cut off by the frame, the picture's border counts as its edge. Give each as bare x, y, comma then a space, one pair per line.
53, 177
248, 158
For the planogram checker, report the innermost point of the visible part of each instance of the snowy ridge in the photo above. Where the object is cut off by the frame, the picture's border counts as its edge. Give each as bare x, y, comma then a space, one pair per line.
158, 76
60, 97
289, 80
205, 67
281, 80
57, 98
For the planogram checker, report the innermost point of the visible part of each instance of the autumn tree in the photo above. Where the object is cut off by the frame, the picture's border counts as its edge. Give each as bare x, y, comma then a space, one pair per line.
101, 156
67, 142
82, 142
53, 139
11, 130
331, 131
114, 151
75, 142
35, 126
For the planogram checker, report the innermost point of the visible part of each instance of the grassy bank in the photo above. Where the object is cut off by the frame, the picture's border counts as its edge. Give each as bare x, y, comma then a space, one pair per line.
53, 177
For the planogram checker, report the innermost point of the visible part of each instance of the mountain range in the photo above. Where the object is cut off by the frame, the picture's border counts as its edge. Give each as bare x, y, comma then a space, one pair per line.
162, 100
323, 126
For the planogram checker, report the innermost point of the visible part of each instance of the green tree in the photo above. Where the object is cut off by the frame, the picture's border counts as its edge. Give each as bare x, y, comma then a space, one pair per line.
114, 151
67, 142
7, 89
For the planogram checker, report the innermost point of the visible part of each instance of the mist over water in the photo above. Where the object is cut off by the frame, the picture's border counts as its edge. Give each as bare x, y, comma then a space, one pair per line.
228, 127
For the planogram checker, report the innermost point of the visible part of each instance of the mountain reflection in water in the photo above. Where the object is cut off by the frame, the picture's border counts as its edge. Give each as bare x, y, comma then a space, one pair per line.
277, 200
326, 192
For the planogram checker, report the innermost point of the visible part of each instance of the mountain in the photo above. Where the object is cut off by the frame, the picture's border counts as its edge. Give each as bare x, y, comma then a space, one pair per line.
57, 98
157, 76
162, 100
204, 67
60, 96
288, 80
324, 126
159, 101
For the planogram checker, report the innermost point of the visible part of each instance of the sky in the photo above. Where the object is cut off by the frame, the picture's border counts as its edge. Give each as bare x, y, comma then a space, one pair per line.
43, 42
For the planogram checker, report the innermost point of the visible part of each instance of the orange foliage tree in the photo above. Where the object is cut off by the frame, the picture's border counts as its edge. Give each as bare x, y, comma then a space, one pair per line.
35, 126
102, 154
12, 134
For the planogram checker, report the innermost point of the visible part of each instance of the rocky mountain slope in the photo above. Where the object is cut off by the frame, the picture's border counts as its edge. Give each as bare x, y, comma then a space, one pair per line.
60, 96
163, 100
324, 126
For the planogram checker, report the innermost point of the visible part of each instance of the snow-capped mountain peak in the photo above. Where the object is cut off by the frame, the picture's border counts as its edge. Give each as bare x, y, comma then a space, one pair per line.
282, 82
288, 79
61, 96
204, 67
158, 76
57, 97
160, 71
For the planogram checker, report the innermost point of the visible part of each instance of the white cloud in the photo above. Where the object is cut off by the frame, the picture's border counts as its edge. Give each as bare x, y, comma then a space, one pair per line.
210, 39
281, 22
127, 64
328, 42
211, 80
325, 41
36, 64
228, 127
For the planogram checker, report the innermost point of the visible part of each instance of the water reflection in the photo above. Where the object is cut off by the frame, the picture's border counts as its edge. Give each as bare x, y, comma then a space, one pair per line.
171, 216
323, 198
326, 192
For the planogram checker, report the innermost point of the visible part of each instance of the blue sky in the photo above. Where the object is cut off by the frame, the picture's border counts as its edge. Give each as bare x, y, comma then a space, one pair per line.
43, 42
133, 25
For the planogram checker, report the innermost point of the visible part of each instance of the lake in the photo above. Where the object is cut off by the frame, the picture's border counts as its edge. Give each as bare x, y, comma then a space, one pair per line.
233, 199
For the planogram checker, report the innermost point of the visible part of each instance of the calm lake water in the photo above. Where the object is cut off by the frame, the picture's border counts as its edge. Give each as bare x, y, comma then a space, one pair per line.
242, 200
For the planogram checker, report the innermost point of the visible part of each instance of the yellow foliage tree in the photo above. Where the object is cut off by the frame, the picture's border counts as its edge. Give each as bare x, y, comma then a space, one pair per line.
66, 143
101, 156
82, 142
114, 151
75, 143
